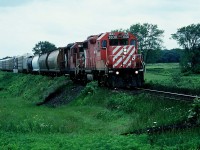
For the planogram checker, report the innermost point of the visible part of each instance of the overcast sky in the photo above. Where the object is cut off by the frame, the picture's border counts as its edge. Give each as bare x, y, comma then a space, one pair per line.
23, 23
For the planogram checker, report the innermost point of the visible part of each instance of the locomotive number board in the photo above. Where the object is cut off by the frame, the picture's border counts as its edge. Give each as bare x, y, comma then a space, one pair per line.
119, 36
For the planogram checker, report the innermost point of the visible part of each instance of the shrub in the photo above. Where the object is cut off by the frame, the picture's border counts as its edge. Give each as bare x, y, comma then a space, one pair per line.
194, 112
196, 69
176, 77
184, 64
91, 88
121, 101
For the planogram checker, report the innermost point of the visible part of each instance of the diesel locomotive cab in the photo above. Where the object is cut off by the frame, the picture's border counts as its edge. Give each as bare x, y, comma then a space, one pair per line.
111, 58
123, 63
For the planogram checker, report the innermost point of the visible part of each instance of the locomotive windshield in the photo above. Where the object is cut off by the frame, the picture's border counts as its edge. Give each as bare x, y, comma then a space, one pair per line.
116, 42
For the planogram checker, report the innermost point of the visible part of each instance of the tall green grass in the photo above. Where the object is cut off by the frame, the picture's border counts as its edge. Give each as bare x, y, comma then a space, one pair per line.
93, 120
187, 139
73, 142
33, 88
143, 110
169, 77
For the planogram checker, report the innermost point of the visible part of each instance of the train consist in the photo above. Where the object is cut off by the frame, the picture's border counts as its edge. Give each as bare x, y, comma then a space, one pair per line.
111, 58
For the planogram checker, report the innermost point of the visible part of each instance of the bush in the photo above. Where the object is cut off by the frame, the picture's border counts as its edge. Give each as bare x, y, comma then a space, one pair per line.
185, 63
91, 88
176, 77
194, 112
196, 69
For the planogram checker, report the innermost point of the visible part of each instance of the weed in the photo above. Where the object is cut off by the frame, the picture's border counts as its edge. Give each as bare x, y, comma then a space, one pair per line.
90, 88
194, 112
171, 79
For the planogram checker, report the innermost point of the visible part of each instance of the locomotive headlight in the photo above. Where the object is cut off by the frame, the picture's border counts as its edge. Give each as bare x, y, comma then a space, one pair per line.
136, 72
117, 72
125, 51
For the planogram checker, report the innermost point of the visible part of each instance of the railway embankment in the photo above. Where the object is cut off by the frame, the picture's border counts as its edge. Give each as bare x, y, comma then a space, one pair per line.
85, 117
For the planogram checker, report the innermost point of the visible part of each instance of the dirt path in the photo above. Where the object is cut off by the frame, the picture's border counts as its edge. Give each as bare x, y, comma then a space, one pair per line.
62, 96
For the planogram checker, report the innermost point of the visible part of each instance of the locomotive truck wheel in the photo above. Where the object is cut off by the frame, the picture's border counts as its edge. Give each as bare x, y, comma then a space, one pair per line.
106, 81
100, 81
139, 81
84, 80
113, 82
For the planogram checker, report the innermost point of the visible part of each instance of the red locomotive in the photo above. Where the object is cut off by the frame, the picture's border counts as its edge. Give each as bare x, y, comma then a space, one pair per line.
111, 58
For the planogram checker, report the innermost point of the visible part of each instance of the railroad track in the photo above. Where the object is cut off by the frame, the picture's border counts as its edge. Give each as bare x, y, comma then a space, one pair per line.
171, 95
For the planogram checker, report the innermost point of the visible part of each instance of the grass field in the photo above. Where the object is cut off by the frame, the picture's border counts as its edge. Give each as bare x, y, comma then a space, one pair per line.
169, 77
95, 119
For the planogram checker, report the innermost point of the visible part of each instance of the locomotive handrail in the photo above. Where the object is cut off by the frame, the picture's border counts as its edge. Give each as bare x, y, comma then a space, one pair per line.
90, 62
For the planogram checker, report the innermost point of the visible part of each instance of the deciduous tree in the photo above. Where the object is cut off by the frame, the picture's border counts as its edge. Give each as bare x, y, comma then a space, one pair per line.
189, 38
43, 47
149, 37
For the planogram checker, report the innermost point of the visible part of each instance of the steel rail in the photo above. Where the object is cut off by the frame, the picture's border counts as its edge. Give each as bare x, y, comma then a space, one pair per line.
185, 97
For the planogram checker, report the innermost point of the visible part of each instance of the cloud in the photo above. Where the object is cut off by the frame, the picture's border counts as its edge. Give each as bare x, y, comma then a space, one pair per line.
13, 3
25, 22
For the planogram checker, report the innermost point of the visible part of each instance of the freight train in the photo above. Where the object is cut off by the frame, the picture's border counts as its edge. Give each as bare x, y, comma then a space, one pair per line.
111, 58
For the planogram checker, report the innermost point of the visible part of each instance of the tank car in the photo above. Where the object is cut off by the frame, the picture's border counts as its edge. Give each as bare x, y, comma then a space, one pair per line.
42, 61
35, 64
56, 61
